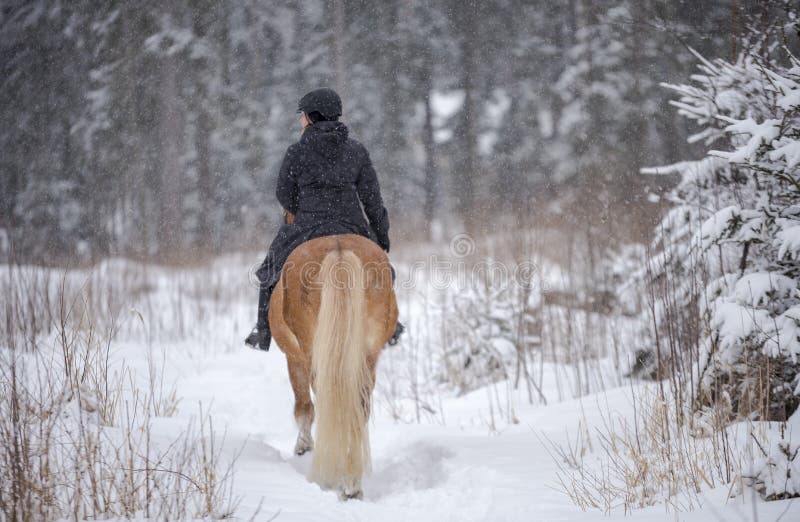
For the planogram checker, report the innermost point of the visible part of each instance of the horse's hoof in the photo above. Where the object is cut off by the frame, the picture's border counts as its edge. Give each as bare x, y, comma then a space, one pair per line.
357, 495
303, 446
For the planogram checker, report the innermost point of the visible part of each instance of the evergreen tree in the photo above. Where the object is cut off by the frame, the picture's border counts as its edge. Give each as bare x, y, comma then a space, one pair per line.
730, 247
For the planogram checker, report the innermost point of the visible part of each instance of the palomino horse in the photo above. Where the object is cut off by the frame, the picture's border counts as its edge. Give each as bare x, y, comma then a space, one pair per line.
331, 313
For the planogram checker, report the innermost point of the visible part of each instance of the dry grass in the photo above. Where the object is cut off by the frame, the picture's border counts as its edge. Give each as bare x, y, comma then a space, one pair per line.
76, 430
655, 457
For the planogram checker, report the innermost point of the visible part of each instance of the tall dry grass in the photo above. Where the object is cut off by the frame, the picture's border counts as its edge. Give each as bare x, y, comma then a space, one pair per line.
77, 437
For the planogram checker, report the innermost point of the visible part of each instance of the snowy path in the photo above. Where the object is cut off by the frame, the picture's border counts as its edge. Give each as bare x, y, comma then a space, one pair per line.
457, 472
420, 472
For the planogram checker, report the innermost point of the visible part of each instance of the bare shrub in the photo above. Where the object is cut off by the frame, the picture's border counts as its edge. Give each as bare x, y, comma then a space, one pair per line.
655, 457
506, 321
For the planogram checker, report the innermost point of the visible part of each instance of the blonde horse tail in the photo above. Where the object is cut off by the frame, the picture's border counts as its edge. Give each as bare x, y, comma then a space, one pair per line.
342, 376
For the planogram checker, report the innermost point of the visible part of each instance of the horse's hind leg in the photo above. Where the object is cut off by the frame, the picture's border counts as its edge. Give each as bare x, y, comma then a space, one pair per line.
299, 376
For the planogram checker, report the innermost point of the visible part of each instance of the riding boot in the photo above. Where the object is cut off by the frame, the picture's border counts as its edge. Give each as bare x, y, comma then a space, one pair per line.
399, 329
260, 337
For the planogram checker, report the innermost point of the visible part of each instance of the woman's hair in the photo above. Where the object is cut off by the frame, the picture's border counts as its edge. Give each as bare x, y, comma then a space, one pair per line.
316, 116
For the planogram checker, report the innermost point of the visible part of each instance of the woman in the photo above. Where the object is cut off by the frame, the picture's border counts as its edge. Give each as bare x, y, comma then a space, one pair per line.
324, 180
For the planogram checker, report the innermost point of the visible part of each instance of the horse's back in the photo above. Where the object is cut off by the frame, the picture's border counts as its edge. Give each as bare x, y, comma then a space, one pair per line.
316, 249
298, 293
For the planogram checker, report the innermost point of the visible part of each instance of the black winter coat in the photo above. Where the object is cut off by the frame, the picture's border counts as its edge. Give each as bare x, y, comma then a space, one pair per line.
324, 180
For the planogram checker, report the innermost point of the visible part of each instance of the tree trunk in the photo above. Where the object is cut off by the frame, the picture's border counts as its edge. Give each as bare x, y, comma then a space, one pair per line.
338, 45
392, 136
430, 181
205, 187
170, 128
203, 129
466, 173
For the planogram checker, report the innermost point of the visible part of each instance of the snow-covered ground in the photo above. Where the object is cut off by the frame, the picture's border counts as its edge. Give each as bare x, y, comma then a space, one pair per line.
480, 456
459, 471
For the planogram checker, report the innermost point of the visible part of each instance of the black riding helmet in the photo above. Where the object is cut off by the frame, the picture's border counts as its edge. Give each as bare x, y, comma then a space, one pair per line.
324, 101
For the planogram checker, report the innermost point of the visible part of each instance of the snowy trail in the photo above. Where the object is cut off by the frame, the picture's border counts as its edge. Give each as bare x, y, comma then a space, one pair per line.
425, 472
457, 472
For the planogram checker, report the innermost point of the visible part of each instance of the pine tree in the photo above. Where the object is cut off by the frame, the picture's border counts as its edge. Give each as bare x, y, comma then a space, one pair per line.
733, 237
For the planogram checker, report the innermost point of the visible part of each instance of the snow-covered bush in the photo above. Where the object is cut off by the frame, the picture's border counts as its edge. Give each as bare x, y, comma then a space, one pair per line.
508, 315
492, 325
732, 241
776, 473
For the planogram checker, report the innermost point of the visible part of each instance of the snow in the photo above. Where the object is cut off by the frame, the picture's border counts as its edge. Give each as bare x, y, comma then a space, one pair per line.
170, 40
735, 324
778, 471
788, 241
457, 471
445, 104
756, 289
481, 456
790, 97
720, 222
758, 134
442, 135
497, 107
790, 153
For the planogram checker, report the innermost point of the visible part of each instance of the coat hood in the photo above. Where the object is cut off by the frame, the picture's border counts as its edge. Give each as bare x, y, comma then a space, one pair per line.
326, 138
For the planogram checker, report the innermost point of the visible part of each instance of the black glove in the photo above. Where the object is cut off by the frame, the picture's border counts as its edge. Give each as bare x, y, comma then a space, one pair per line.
383, 242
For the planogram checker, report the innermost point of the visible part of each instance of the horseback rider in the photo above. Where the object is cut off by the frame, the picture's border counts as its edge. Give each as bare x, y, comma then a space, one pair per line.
324, 180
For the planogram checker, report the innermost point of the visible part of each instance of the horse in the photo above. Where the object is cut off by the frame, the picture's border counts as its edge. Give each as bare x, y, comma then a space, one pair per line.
332, 312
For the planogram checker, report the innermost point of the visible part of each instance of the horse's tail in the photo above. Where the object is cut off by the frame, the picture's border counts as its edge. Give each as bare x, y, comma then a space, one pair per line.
341, 374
